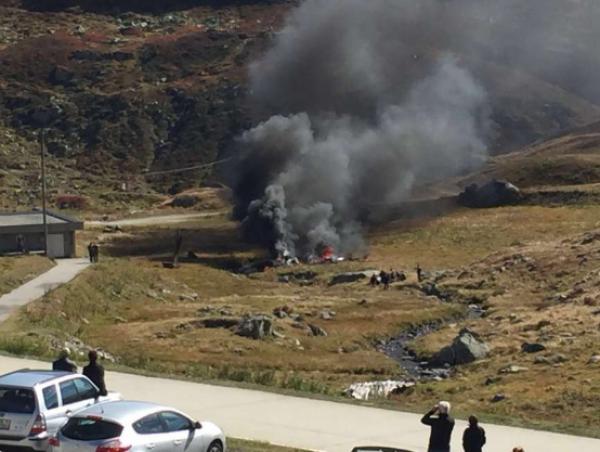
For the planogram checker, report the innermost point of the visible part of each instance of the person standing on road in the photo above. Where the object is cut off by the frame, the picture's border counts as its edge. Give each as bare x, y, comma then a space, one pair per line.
474, 436
441, 427
63, 363
95, 372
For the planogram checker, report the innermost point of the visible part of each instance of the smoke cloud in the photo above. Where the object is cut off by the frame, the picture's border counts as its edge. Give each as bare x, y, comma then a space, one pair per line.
355, 123
359, 102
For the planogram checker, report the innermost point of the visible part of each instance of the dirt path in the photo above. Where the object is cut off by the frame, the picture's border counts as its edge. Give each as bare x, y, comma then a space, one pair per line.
155, 220
64, 271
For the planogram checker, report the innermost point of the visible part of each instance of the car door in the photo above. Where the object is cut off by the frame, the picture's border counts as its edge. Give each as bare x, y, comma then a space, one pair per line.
183, 434
152, 435
54, 413
72, 400
87, 391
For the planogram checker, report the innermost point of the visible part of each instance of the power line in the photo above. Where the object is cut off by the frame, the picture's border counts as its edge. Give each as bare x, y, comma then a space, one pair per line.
189, 168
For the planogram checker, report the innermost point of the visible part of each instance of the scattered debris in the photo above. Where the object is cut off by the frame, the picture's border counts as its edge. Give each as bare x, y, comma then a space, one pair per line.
532, 348
377, 389
327, 314
351, 277
306, 277
316, 330
513, 369
218, 323
498, 398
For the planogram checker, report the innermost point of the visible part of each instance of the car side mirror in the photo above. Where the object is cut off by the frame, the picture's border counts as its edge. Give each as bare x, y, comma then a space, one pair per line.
197, 425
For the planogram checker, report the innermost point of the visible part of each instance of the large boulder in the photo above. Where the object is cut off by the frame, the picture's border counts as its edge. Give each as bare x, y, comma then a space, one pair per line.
351, 277
493, 194
255, 327
465, 348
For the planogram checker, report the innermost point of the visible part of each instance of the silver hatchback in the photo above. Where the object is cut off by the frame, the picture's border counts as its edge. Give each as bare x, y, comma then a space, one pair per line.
34, 404
126, 426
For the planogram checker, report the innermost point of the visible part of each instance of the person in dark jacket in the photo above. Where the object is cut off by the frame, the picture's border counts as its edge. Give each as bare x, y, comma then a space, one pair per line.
441, 427
95, 372
95, 252
63, 363
91, 251
474, 436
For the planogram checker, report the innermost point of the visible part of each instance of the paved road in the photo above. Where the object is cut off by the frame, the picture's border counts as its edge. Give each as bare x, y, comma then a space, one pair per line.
64, 271
155, 220
311, 424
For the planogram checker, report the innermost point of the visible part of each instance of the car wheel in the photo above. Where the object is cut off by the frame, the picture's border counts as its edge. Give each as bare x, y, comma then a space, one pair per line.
215, 446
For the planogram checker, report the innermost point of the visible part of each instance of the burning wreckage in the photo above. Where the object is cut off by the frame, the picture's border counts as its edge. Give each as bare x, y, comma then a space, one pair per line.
326, 255
328, 145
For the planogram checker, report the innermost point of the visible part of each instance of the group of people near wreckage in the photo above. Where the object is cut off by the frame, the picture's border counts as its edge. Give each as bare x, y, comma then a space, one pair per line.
93, 370
442, 425
384, 278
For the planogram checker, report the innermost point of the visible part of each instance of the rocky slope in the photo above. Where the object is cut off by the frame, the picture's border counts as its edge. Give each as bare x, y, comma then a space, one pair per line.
127, 86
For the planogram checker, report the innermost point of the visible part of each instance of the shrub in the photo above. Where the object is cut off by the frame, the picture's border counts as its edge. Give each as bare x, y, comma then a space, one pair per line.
71, 202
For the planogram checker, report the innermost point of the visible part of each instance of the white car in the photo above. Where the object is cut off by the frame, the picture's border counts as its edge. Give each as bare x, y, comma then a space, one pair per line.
34, 404
127, 426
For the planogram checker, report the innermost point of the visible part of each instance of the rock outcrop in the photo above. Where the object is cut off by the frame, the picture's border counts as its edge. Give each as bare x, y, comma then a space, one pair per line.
255, 327
465, 348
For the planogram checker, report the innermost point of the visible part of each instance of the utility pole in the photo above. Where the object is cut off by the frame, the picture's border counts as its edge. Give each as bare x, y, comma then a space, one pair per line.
44, 219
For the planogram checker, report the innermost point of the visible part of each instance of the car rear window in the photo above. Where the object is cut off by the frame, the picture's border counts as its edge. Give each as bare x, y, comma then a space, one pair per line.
88, 429
17, 400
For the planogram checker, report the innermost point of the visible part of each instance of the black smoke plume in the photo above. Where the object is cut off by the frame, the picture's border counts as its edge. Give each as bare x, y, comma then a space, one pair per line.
361, 101
357, 120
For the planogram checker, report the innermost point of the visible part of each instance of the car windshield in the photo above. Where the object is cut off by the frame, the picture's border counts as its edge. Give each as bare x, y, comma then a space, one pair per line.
17, 400
87, 429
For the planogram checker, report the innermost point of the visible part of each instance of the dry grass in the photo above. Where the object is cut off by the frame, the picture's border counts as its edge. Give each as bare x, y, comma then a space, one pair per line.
143, 314
14, 271
468, 235
147, 316
552, 299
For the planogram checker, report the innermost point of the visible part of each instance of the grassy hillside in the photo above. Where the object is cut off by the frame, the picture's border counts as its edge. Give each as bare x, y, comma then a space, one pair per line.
526, 265
567, 162
129, 86
15, 271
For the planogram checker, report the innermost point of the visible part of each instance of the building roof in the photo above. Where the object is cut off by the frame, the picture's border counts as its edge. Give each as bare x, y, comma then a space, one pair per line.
34, 219
27, 219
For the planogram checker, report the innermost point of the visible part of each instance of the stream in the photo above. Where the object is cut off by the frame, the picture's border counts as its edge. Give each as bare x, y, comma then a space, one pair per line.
399, 347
